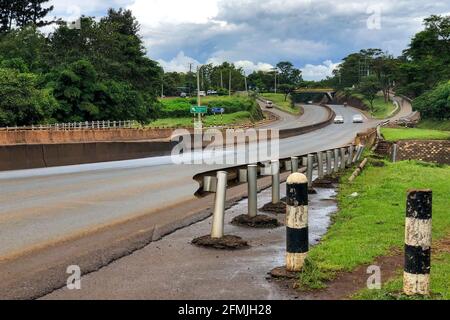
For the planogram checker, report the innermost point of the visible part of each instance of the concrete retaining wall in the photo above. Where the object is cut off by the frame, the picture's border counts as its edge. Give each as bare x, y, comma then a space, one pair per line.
428, 151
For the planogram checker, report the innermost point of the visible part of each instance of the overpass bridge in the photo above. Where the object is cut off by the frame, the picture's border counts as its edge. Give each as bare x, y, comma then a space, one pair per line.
305, 95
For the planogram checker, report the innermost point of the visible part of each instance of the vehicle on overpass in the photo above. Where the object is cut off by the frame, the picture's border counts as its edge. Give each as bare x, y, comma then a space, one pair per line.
269, 104
357, 118
339, 119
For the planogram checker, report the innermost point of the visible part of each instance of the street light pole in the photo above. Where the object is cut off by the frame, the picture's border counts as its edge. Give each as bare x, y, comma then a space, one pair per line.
198, 95
229, 87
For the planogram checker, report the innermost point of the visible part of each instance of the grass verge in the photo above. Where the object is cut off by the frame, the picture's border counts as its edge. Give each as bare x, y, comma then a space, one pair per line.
238, 118
392, 134
382, 109
392, 290
371, 224
434, 125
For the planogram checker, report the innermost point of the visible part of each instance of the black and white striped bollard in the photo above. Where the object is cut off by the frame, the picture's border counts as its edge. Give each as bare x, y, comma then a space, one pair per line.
416, 280
297, 242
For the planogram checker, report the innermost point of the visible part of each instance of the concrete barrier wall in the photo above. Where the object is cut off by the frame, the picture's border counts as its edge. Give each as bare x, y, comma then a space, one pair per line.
31, 156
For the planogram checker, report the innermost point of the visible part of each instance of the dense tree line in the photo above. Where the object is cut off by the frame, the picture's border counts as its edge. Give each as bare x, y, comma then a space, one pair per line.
421, 72
98, 72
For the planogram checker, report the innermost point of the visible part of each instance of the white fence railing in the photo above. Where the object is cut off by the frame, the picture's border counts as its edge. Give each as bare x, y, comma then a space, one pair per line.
74, 126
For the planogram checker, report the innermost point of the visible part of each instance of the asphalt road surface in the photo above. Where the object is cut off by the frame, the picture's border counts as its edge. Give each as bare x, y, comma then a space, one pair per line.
312, 114
41, 207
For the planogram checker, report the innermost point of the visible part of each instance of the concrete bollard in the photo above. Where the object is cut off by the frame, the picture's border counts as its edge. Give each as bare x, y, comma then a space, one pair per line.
418, 242
252, 190
343, 161
276, 195
217, 231
350, 156
336, 160
294, 164
329, 162
297, 233
320, 165
310, 169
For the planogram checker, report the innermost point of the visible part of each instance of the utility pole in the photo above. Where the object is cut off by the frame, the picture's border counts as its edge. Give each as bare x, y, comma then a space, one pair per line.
229, 87
198, 94
245, 79
162, 86
276, 73
189, 81
221, 78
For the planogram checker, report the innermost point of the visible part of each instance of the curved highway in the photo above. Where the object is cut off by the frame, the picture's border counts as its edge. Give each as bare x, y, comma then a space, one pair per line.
312, 114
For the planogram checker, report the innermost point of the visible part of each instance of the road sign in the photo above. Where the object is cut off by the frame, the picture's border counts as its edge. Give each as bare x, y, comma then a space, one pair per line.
196, 110
217, 110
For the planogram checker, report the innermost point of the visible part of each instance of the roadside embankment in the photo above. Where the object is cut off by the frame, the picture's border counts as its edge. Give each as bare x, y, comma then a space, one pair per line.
369, 230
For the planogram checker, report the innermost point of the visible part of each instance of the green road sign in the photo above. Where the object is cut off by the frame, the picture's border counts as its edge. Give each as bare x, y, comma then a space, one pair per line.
196, 110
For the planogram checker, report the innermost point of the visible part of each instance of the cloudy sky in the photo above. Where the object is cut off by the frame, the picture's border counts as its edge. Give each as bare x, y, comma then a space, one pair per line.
256, 34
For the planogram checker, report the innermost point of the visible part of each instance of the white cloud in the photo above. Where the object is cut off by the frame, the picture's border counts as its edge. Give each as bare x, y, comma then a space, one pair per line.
159, 12
181, 63
319, 72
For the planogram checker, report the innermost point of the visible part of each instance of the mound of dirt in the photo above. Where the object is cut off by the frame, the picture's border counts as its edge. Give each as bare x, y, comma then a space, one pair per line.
225, 243
260, 221
278, 208
282, 273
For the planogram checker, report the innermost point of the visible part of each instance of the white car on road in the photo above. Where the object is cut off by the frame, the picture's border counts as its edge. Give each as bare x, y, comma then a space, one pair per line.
269, 104
339, 119
357, 118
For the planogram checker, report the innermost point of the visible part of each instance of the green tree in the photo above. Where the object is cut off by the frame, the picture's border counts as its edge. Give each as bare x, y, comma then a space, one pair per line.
369, 88
289, 74
435, 103
22, 102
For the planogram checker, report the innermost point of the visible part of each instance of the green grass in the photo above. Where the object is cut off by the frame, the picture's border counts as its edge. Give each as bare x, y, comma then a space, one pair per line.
392, 289
372, 224
382, 110
238, 118
435, 125
392, 134
278, 100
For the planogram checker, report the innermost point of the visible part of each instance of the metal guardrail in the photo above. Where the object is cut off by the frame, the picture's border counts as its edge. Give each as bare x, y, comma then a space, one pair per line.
77, 126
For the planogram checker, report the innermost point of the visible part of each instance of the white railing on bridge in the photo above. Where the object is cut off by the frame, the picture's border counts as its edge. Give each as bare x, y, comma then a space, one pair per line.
74, 126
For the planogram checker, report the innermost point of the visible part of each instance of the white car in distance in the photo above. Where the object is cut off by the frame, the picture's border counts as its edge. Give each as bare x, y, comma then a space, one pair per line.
357, 118
339, 119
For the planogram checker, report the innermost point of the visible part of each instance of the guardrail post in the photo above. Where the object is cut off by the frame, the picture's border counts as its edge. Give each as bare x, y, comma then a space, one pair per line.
252, 190
350, 156
294, 164
275, 166
297, 222
343, 162
329, 162
320, 165
217, 231
361, 152
418, 242
310, 169
336, 160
